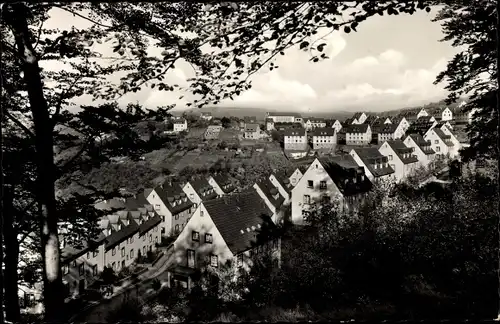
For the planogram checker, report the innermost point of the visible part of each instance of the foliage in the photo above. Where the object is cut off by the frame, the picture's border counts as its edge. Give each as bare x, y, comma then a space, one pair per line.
473, 71
226, 122
129, 311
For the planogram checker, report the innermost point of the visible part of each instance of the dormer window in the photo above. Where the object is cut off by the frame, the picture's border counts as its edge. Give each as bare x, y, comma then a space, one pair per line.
174, 203
119, 227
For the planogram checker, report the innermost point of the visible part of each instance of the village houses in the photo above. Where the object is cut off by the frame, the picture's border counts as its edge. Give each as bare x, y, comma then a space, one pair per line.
422, 113
400, 158
387, 132
421, 148
198, 189
376, 166
221, 184
271, 197
172, 204
283, 184
206, 116
441, 143
211, 238
252, 132
212, 132
358, 134
312, 122
180, 125
359, 118
337, 125
324, 138
295, 139
338, 180
454, 151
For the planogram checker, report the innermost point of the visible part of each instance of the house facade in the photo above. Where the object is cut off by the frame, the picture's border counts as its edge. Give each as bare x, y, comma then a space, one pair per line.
221, 184
211, 239
422, 113
340, 181
272, 197
198, 189
180, 125
311, 123
358, 134
206, 116
295, 176
441, 143
376, 165
212, 132
387, 132
400, 157
269, 124
173, 206
252, 132
421, 148
324, 138
285, 117
337, 125
295, 139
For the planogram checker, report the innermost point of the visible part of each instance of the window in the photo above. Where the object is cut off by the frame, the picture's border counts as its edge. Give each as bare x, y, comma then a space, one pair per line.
310, 184
144, 238
65, 269
156, 239
150, 238
201, 213
307, 199
95, 253
132, 239
123, 251
438, 149
214, 261
293, 180
176, 217
239, 260
113, 252
132, 253
81, 269
195, 236
325, 199
208, 238
436, 142
88, 255
322, 185
74, 264
390, 157
94, 270
177, 228
191, 196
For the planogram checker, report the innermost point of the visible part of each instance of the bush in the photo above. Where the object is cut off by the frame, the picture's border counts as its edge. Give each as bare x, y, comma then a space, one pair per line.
129, 311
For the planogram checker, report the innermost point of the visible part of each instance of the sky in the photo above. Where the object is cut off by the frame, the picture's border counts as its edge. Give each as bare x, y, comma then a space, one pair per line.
389, 63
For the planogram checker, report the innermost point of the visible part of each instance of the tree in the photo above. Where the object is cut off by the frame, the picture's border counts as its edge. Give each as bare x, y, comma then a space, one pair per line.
226, 122
130, 25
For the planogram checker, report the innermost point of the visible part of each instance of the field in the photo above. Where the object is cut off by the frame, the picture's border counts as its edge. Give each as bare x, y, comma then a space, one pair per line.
196, 133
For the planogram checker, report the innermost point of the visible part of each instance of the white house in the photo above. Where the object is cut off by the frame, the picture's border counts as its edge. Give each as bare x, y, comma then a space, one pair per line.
441, 113
422, 149
295, 176
198, 189
180, 125
211, 238
400, 158
285, 117
387, 121
206, 116
376, 166
441, 143
387, 132
172, 204
454, 151
339, 180
283, 184
252, 131
422, 113
337, 125
295, 139
269, 124
358, 134
402, 123
359, 118
324, 138
311, 123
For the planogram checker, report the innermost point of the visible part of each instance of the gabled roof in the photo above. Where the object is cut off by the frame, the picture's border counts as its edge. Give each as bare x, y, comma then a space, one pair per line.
348, 121
419, 128
346, 175
223, 180
424, 119
246, 210
270, 191
201, 185
357, 115
294, 132
170, 193
323, 131
70, 253
371, 156
370, 119
252, 127
385, 128
356, 128
424, 145
284, 114
284, 181
400, 148
315, 120
443, 136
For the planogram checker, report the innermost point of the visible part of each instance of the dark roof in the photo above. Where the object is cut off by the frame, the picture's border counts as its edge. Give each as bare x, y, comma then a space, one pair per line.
385, 128
201, 185
424, 145
179, 121
270, 191
424, 119
419, 128
371, 119
121, 235
346, 175
357, 128
223, 180
252, 127
323, 131
315, 120
377, 122
284, 181
149, 224
168, 193
400, 148
370, 157
70, 253
357, 115
443, 136
294, 132
284, 114
348, 121
246, 209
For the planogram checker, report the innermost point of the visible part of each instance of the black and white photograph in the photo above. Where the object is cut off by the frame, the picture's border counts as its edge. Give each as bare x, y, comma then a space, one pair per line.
249, 161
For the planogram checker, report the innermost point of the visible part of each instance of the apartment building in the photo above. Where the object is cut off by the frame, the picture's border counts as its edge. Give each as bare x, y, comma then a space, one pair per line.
358, 134
400, 157
422, 149
285, 117
212, 132
295, 139
387, 132
180, 125
221, 184
324, 138
198, 189
311, 123
211, 238
376, 165
173, 206
339, 180
252, 132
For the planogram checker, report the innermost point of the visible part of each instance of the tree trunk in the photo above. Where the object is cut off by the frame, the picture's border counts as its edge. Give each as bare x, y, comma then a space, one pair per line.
498, 147
52, 279
12, 311
2, 222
